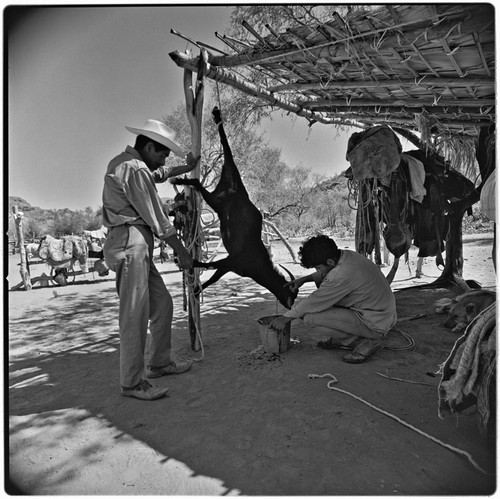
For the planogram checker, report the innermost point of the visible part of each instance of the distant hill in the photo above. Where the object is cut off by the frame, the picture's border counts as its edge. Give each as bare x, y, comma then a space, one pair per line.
44, 219
20, 202
34, 214
30, 211
25, 206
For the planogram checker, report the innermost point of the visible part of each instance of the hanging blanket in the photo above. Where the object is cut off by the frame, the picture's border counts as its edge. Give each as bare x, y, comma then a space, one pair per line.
416, 171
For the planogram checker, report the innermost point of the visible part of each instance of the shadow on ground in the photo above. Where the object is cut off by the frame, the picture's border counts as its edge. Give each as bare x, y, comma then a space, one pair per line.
254, 421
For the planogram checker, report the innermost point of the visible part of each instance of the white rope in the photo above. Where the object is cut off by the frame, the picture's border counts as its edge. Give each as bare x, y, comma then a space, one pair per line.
409, 346
194, 237
407, 380
192, 283
404, 423
197, 326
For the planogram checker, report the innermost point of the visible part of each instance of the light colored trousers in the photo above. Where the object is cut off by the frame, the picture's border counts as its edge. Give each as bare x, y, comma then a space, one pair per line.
340, 323
128, 251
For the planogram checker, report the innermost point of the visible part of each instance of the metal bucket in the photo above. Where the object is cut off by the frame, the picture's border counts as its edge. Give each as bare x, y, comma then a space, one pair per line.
273, 341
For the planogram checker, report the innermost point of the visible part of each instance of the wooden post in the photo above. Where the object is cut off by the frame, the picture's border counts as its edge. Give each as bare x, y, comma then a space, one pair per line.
194, 111
25, 275
280, 235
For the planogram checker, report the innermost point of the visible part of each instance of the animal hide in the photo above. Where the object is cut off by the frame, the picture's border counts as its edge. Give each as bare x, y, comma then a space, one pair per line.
374, 153
398, 238
397, 233
468, 373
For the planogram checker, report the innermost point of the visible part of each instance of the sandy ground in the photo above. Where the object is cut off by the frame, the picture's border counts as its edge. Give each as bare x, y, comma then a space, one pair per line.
242, 421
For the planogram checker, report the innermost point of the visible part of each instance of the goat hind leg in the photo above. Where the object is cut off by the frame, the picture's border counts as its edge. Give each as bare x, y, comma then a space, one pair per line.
221, 268
215, 277
229, 174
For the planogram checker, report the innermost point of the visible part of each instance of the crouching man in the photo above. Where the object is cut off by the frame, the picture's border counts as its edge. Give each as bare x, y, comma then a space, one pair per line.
353, 305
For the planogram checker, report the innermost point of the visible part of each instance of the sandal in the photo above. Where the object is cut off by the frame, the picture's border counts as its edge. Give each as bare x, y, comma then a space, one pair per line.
363, 351
331, 344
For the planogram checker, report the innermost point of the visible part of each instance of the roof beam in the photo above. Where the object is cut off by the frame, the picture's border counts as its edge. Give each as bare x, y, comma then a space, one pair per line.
411, 121
222, 75
477, 103
424, 82
463, 112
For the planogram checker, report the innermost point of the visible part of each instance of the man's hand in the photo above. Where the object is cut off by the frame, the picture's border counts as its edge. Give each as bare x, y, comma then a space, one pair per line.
295, 284
280, 323
315, 277
185, 260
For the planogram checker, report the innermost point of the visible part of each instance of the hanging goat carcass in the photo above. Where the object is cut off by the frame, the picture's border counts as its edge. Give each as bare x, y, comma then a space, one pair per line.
241, 229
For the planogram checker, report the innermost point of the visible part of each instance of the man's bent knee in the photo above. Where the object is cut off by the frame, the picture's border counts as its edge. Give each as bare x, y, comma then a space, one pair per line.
309, 320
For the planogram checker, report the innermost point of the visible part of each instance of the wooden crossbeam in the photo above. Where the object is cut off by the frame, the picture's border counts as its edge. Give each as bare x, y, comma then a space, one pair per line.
475, 103
463, 112
416, 82
236, 81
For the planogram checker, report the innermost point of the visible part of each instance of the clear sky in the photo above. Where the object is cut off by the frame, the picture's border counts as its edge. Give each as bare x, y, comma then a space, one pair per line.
78, 75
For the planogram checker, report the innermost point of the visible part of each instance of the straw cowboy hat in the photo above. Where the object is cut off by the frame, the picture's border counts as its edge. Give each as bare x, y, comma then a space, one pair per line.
159, 132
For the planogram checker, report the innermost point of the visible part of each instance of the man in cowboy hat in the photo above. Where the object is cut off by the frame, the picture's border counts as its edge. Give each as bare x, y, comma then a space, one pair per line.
133, 213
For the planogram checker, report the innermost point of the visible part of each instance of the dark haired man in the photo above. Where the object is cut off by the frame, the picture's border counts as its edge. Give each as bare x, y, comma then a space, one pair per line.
353, 305
134, 214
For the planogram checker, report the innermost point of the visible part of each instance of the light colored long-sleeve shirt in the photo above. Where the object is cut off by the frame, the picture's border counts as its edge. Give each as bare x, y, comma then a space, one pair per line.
162, 174
356, 283
130, 196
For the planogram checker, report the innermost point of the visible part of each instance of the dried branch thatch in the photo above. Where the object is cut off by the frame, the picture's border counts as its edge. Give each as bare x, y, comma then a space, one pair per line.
427, 68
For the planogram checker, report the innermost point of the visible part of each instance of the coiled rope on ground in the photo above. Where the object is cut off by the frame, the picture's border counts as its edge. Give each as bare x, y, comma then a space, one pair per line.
334, 380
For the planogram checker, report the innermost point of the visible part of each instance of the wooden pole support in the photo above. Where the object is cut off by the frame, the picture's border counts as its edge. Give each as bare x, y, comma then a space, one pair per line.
194, 110
282, 237
25, 275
